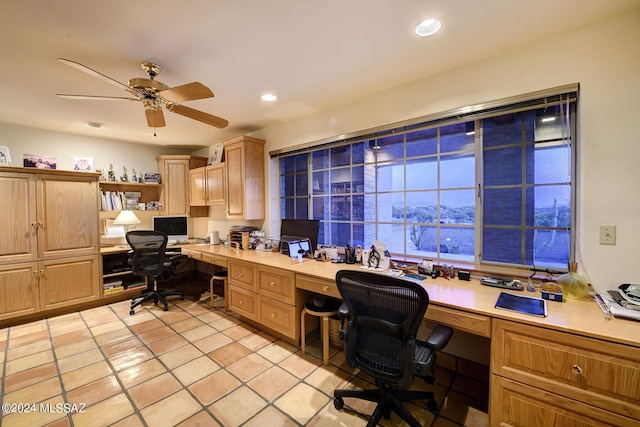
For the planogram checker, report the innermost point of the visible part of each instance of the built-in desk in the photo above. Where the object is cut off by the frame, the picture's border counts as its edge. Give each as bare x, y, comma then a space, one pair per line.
571, 368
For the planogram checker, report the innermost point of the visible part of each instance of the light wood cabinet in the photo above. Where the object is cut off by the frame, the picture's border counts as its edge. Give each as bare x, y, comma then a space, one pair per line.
50, 256
207, 185
244, 160
566, 379
175, 197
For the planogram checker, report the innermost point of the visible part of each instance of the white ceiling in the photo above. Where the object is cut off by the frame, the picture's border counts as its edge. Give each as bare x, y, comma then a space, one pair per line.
313, 54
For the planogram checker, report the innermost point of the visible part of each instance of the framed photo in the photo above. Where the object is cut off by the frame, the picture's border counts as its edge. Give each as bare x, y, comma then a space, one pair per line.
5, 156
83, 164
39, 162
217, 155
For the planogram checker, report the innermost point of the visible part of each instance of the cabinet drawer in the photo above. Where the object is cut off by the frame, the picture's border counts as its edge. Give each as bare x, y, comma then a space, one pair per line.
214, 259
323, 287
243, 302
475, 323
197, 255
569, 365
241, 274
515, 404
276, 284
278, 316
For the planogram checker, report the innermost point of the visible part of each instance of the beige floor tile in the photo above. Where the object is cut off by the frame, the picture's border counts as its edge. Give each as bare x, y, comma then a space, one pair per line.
70, 337
28, 362
154, 390
114, 336
238, 332
214, 386
40, 417
131, 421
156, 334
146, 326
168, 344
327, 378
130, 357
85, 375
302, 402
237, 406
271, 417
141, 372
199, 333
121, 345
229, 353
180, 356
212, 316
72, 349
258, 340
94, 392
79, 360
28, 377
104, 413
28, 349
329, 416
187, 325
277, 351
38, 392
138, 318
200, 419
225, 323
249, 366
272, 383
171, 410
196, 369
300, 364
18, 341
213, 342
103, 319
27, 329
176, 317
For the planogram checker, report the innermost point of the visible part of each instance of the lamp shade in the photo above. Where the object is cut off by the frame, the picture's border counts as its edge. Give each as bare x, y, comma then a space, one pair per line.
126, 218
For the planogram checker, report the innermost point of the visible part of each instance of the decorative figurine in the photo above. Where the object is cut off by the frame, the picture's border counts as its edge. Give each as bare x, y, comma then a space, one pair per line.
124, 177
134, 177
112, 175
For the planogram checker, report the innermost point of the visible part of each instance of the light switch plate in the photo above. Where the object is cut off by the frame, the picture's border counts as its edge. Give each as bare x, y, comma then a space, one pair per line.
607, 234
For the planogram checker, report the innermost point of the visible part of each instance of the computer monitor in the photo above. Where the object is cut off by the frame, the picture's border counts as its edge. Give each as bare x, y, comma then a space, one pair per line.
301, 228
176, 227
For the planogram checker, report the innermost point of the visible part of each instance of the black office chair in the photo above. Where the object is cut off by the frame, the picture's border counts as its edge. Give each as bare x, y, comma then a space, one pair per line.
382, 315
148, 258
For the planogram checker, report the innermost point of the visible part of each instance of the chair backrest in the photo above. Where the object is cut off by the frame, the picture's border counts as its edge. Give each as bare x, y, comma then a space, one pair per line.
385, 314
149, 248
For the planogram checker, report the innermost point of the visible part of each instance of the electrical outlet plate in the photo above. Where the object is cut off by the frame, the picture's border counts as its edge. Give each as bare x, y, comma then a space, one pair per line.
607, 234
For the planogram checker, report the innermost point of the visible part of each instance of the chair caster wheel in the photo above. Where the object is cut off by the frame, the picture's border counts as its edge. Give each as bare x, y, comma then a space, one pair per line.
166, 308
131, 312
432, 406
338, 403
182, 298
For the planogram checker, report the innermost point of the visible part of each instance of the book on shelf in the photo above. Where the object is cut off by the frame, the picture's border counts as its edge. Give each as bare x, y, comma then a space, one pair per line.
112, 284
136, 285
115, 290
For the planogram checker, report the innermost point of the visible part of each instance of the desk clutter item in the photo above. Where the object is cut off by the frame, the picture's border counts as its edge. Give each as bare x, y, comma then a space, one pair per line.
513, 285
522, 304
240, 234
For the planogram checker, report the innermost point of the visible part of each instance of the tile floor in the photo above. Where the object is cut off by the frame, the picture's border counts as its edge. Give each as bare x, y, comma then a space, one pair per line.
195, 366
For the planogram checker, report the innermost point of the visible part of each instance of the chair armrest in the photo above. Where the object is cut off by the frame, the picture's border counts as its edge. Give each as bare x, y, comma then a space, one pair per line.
343, 311
439, 338
176, 258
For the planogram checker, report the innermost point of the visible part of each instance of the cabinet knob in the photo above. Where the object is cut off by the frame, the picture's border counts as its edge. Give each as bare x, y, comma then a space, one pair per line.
273, 315
240, 274
240, 302
577, 370
34, 226
272, 284
325, 288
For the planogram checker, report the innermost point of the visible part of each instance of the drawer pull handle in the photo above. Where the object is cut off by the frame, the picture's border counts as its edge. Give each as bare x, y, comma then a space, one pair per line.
273, 315
576, 369
325, 288
272, 284
241, 302
239, 274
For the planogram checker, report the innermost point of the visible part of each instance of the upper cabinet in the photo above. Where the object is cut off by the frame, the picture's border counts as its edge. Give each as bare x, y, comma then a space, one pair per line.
244, 168
207, 185
176, 186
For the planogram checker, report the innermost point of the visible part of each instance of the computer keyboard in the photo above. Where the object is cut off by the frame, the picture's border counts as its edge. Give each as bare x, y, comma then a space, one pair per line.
514, 285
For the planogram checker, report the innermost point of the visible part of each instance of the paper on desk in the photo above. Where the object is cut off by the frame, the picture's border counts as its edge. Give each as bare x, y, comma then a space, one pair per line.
619, 311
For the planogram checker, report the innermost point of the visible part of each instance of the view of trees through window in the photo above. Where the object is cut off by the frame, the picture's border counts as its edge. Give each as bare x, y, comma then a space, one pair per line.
493, 189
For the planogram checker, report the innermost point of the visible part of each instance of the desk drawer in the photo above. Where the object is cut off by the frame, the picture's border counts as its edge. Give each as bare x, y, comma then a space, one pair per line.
197, 255
276, 284
457, 319
569, 365
278, 316
214, 259
243, 302
323, 287
241, 274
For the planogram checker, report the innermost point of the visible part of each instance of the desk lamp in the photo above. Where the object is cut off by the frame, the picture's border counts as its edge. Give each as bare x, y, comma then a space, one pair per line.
126, 219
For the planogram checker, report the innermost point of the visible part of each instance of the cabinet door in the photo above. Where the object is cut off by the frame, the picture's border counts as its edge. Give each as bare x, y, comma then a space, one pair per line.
198, 187
176, 187
18, 218
19, 290
215, 185
69, 281
67, 216
234, 155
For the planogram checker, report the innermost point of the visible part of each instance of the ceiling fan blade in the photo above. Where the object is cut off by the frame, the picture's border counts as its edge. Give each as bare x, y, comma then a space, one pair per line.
155, 118
96, 98
188, 92
198, 115
94, 73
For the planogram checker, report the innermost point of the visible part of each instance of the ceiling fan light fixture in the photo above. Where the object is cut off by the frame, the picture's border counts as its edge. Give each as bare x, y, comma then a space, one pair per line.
95, 125
269, 97
428, 27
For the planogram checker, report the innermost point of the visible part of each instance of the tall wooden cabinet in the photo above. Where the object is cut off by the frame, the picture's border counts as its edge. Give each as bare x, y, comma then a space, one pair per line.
175, 197
244, 160
207, 185
49, 253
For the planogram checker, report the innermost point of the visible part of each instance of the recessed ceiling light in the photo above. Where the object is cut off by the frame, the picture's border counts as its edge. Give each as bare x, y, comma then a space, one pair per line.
428, 27
96, 125
269, 97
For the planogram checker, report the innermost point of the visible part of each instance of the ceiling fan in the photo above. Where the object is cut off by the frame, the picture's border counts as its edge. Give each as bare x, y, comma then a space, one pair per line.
154, 95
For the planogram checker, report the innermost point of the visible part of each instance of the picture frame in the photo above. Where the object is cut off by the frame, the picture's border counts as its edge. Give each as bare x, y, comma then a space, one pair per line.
5, 156
39, 161
83, 164
217, 155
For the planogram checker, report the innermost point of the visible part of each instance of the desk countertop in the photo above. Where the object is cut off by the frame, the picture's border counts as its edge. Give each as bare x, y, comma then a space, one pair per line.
582, 317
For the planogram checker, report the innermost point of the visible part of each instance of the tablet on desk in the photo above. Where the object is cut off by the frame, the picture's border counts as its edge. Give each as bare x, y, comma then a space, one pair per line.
522, 304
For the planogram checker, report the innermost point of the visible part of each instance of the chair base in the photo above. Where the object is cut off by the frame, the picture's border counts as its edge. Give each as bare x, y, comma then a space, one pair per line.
388, 400
156, 296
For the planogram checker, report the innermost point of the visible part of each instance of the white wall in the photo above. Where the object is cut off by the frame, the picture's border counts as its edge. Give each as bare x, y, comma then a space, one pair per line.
602, 58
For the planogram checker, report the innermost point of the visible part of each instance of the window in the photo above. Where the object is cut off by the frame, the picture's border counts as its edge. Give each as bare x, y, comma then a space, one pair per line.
492, 186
